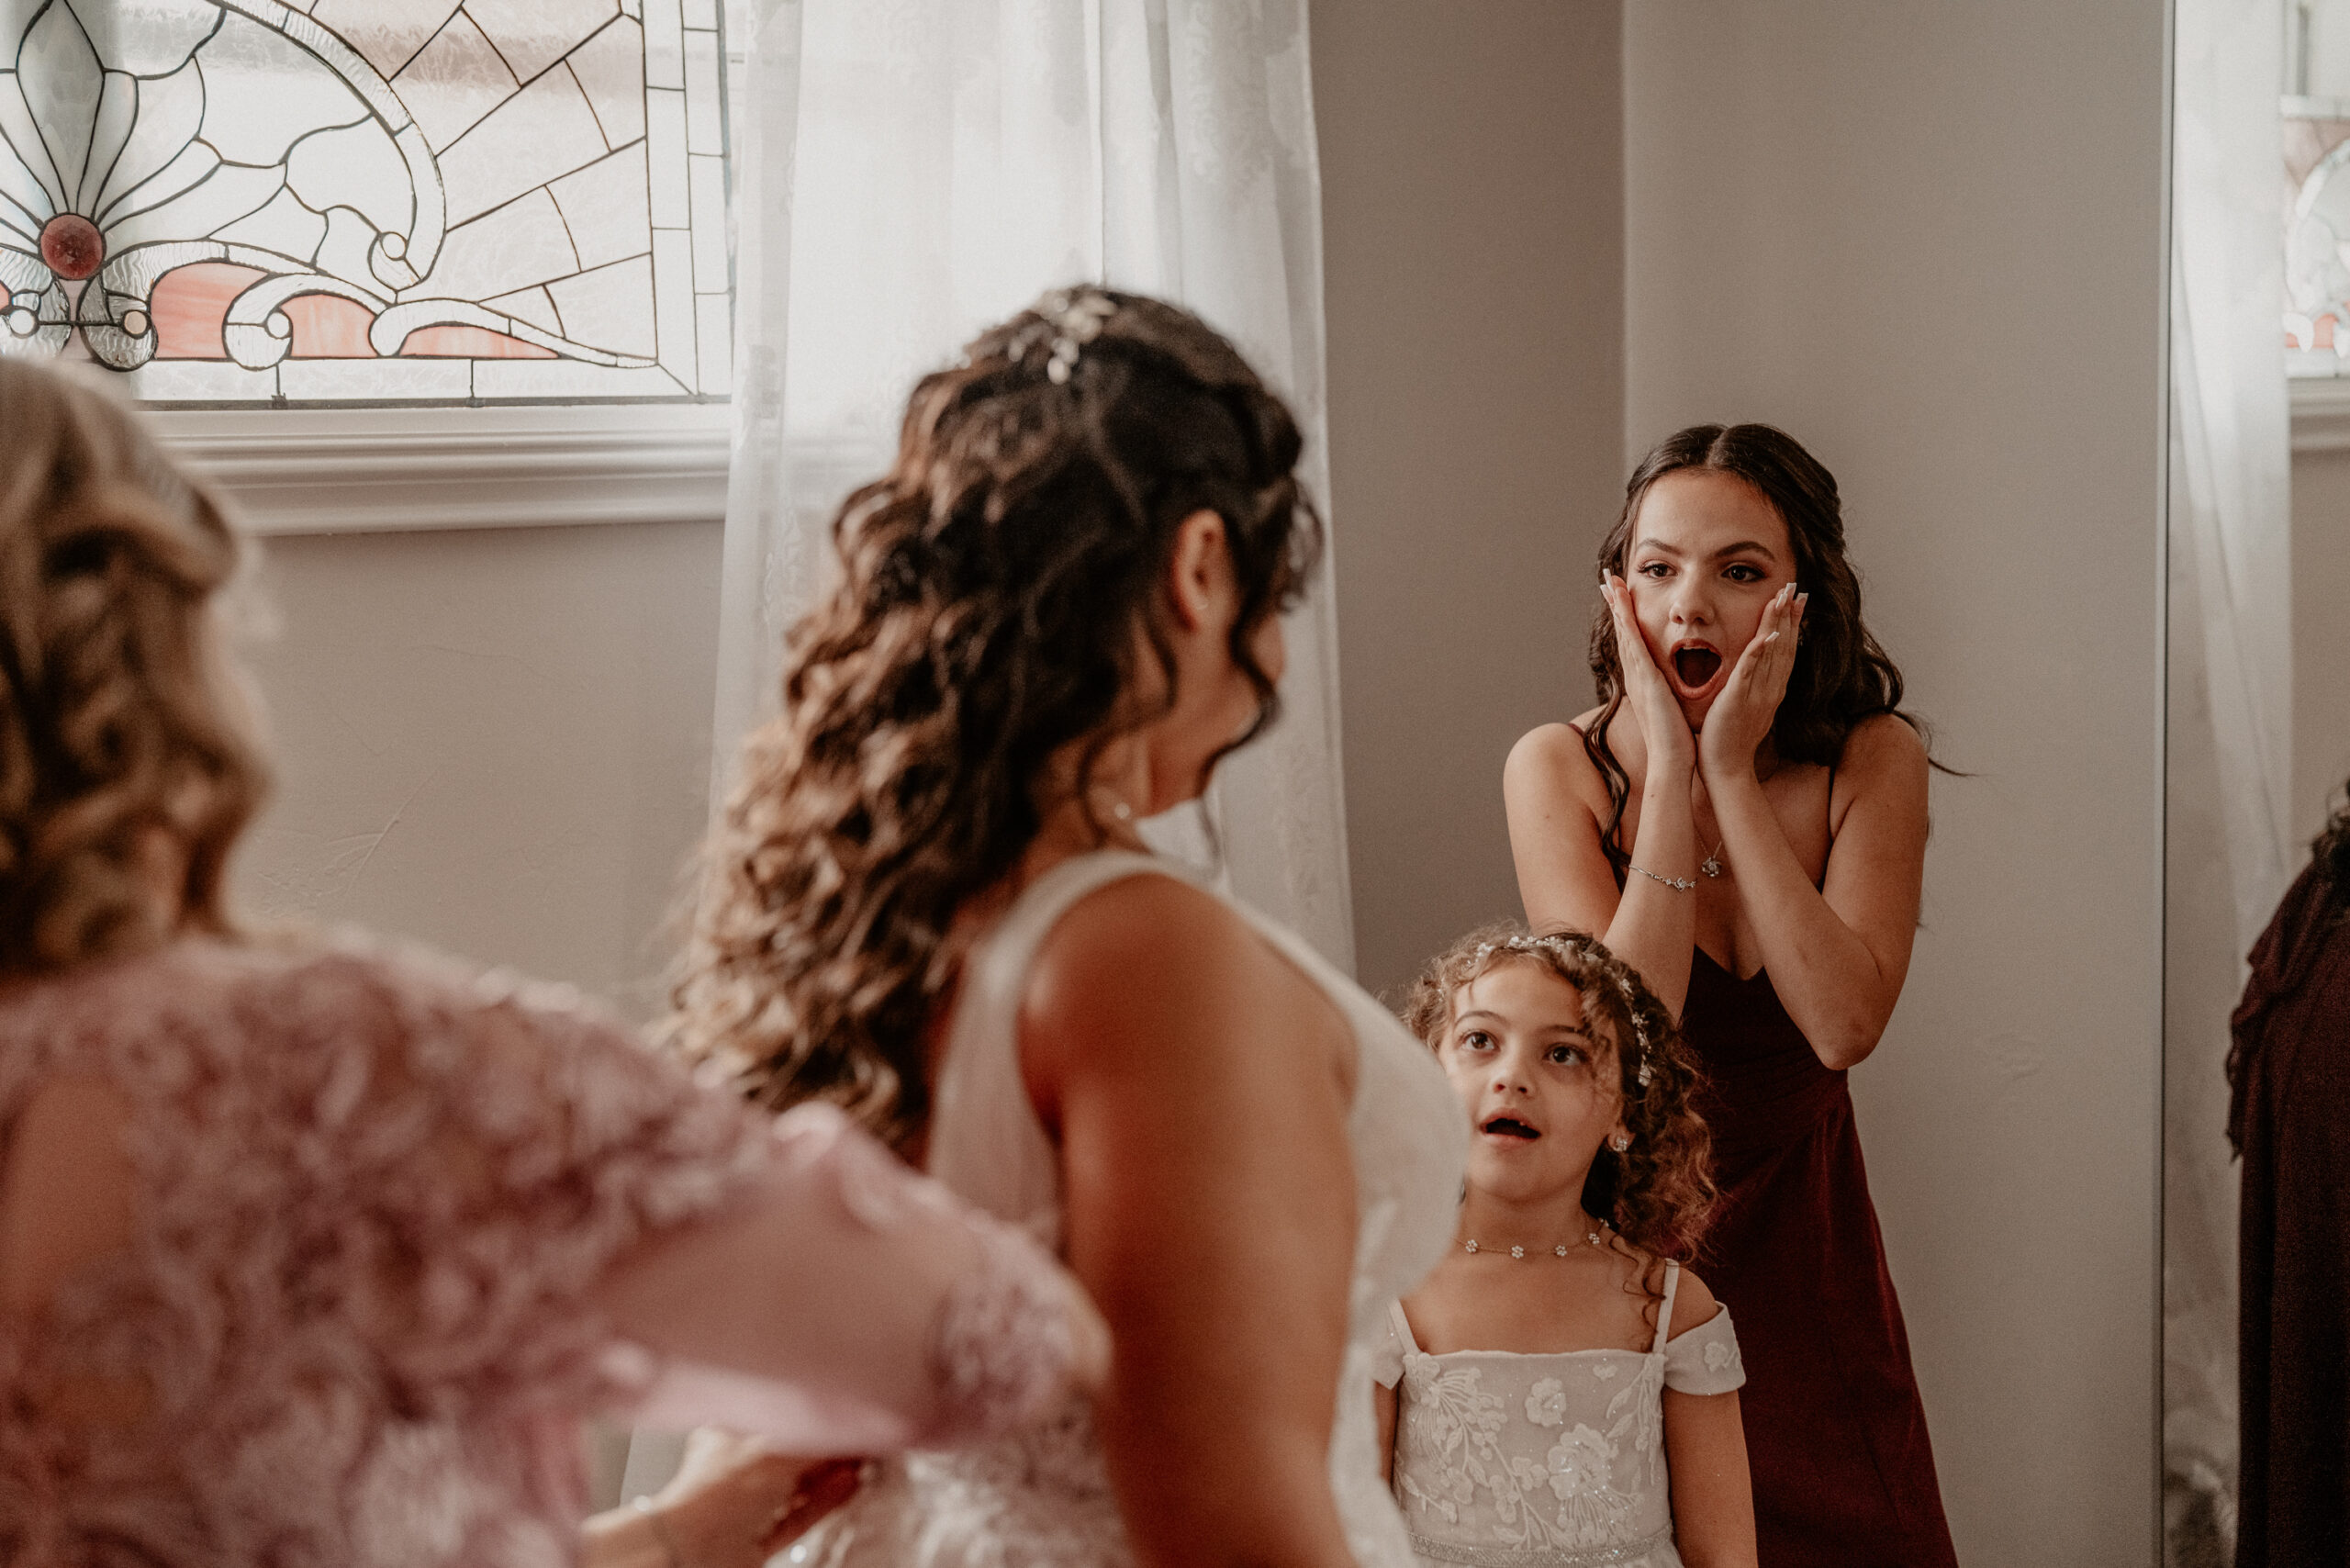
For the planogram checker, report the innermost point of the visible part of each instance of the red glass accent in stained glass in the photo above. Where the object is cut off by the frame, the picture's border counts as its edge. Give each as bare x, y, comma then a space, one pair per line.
327, 326
190, 303
468, 343
73, 246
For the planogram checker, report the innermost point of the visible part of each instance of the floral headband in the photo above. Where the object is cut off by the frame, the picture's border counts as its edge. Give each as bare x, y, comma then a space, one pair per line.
1561, 943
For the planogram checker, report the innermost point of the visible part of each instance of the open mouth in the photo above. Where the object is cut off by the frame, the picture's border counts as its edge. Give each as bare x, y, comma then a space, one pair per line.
1509, 1127
1695, 665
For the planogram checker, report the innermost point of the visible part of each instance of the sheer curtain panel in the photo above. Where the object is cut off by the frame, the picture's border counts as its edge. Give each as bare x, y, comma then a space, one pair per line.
912, 169
2231, 837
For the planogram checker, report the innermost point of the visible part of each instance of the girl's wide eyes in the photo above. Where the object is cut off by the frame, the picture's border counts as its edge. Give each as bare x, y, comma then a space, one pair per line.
1653, 569
1565, 1056
1476, 1040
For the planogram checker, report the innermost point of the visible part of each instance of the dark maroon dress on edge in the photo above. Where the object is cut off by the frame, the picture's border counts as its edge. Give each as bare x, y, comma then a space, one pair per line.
1835, 1434
2290, 1069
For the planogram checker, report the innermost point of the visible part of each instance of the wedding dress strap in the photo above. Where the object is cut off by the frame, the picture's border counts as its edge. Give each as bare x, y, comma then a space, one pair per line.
985, 1140
1665, 1312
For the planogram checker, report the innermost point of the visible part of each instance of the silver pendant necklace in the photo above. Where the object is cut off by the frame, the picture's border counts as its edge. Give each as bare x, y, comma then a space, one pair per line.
1713, 863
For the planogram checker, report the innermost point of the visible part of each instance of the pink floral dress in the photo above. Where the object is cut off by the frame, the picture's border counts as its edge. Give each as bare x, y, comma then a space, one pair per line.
374, 1196
1510, 1461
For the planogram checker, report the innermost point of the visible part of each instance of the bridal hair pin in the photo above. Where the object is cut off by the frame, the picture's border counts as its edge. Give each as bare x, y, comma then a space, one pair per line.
1073, 318
1565, 945
1632, 1007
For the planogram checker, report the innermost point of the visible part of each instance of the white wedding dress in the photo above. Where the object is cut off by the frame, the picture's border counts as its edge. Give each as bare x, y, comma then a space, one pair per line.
1042, 1499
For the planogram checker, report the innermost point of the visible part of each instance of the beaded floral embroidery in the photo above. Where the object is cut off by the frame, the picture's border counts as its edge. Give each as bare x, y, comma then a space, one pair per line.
1452, 1427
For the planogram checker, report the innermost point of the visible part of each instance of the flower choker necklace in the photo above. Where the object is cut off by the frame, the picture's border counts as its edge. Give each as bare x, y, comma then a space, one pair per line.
1594, 1237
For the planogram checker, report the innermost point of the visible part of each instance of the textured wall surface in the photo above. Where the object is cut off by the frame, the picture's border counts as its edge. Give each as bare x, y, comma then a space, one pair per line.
1927, 240
495, 741
1473, 203
2320, 633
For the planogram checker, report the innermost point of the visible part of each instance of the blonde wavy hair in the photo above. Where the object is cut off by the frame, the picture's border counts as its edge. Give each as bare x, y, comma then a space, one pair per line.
126, 767
1657, 1193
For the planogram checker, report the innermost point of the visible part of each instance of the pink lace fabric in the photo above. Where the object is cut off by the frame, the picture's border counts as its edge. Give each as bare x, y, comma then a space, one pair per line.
375, 1195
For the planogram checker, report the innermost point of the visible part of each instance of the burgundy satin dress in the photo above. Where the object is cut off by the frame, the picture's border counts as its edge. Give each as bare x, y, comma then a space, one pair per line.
1835, 1433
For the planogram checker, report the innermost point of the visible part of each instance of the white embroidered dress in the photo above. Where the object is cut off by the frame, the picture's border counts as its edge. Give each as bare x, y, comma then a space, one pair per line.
1510, 1461
1043, 1500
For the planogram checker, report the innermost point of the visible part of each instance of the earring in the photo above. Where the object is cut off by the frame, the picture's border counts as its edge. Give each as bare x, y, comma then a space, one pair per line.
1620, 1142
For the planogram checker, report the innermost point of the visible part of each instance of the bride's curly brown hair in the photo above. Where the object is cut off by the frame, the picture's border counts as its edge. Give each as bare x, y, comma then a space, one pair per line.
1657, 1193
127, 770
997, 590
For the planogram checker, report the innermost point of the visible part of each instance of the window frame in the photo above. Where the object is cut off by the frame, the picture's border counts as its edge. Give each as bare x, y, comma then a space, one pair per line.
378, 469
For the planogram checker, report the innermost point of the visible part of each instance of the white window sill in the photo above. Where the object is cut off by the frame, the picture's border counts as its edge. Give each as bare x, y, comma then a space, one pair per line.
2321, 413
383, 470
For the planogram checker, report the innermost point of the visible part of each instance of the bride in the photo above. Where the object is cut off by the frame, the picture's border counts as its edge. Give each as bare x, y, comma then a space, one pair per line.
1055, 614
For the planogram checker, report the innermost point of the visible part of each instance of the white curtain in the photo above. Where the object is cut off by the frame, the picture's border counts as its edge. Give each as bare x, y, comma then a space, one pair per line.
909, 171
2231, 834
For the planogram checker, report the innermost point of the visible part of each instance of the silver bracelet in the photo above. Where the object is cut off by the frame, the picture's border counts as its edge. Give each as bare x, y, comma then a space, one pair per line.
1678, 884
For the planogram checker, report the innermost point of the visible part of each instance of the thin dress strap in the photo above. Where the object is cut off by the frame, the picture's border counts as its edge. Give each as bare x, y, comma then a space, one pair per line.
985, 1140
1664, 1314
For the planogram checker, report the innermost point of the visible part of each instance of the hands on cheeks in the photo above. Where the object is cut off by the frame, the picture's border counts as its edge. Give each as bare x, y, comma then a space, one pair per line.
1665, 729
1740, 718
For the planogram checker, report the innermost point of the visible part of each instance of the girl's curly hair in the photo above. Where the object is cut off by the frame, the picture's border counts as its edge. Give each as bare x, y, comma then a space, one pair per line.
1657, 1193
998, 592
123, 750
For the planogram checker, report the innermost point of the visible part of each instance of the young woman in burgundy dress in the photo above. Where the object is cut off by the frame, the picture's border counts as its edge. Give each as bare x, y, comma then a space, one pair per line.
2291, 1072
1743, 819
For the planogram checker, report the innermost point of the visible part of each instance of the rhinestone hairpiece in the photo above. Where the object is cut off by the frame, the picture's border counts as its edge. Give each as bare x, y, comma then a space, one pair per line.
1560, 943
1073, 318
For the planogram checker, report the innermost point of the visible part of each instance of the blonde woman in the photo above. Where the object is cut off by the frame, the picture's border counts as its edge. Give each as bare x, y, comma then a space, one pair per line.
315, 1253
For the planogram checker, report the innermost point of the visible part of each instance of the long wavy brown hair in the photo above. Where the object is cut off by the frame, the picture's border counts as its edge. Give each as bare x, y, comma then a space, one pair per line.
1841, 677
127, 769
997, 590
2321, 925
1658, 1193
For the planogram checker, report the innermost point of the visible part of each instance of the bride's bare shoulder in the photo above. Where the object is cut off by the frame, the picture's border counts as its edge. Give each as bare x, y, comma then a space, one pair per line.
1155, 961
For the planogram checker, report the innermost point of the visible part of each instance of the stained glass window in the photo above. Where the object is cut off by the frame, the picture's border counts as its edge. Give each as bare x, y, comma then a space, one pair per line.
365, 201
2316, 194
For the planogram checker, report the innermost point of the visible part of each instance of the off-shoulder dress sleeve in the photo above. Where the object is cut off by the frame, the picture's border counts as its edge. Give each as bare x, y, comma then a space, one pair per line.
1705, 1360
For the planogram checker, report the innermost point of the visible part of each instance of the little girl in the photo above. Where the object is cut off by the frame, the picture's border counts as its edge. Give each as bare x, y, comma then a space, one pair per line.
1539, 1387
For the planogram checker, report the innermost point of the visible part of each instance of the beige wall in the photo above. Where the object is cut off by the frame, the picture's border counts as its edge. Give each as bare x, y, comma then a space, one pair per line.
1928, 240
1472, 202
496, 741
2321, 634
